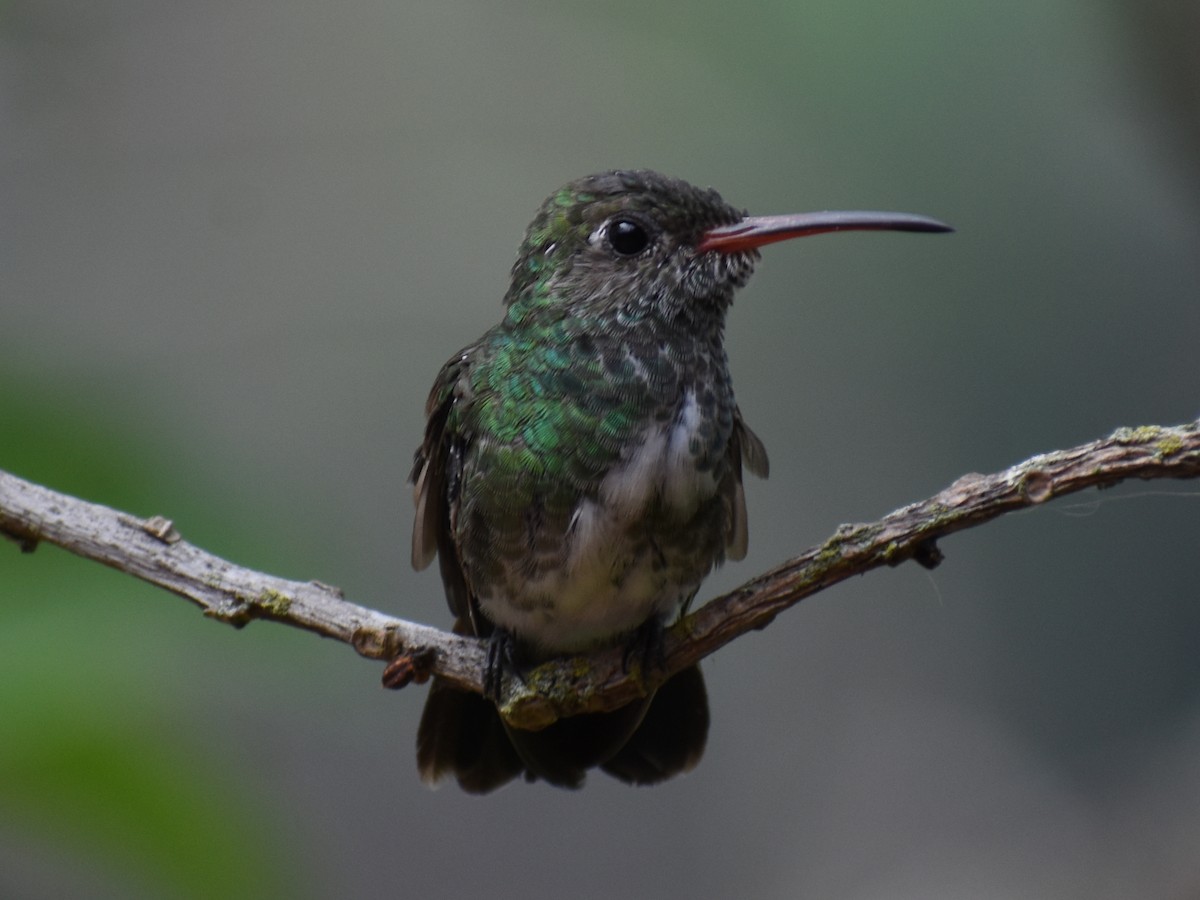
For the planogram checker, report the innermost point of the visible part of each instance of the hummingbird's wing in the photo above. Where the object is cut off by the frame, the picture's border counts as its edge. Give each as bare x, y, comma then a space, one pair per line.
436, 477
754, 454
744, 447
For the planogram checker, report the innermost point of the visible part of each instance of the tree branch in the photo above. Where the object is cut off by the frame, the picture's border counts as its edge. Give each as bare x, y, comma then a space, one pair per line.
151, 549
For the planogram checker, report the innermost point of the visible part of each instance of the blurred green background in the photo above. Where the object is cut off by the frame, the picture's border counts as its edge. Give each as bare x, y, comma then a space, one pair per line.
237, 240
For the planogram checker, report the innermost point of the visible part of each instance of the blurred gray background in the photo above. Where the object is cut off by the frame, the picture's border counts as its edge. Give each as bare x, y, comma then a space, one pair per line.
237, 240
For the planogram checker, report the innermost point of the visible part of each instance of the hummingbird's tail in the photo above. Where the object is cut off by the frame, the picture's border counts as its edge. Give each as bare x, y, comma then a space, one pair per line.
672, 735
463, 735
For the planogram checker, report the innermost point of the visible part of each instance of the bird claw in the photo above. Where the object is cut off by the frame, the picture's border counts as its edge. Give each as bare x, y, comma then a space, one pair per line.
501, 657
647, 645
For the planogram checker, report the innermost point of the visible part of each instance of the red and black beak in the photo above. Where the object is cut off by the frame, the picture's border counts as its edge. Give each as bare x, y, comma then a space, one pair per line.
756, 231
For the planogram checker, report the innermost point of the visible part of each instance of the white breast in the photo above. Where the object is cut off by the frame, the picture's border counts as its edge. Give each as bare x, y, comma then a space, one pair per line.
610, 584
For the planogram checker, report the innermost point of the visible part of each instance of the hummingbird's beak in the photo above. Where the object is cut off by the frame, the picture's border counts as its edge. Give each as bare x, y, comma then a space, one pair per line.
756, 231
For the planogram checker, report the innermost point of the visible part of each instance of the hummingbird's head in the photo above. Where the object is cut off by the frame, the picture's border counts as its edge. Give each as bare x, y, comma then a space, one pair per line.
626, 242
632, 246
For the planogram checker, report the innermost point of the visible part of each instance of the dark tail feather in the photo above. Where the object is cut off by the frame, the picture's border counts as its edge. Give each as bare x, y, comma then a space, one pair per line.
461, 735
672, 735
562, 753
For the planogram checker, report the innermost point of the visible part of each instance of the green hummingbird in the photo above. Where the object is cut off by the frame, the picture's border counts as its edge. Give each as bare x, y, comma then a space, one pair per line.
581, 470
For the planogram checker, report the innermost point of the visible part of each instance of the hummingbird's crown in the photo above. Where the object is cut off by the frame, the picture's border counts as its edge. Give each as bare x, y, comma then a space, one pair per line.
674, 204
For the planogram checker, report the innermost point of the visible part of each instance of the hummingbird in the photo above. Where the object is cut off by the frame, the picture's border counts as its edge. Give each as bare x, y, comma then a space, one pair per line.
582, 464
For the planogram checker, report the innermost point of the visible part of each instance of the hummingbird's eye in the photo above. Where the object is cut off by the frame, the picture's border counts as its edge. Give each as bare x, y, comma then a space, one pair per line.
627, 237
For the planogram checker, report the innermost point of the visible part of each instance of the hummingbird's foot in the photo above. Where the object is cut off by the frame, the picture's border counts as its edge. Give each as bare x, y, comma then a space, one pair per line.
501, 657
647, 646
